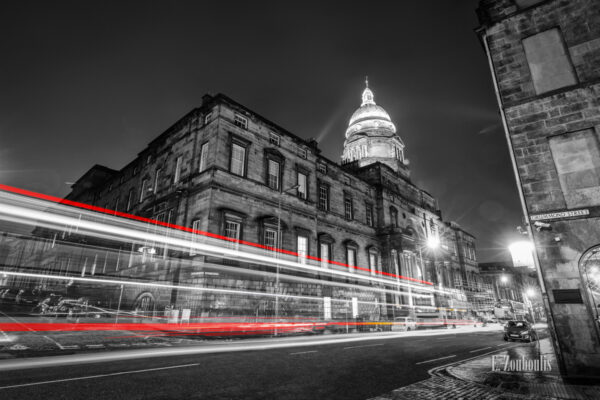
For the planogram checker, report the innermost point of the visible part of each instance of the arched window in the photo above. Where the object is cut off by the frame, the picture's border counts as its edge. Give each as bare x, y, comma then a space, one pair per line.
325, 249
351, 254
374, 260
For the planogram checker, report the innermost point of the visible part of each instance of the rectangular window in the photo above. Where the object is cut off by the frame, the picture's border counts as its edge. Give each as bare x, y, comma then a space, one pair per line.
576, 156
130, 199
302, 249
274, 138
203, 157
273, 174
270, 237
207, 118
322, 168
240, 121
373, 262
157, 179
303, 153
548, 61
232, 230
238, 159
323, 197
324, 254
369, 209
348, 212
351, 257
302, 188
177, 169
195, 227
143, 189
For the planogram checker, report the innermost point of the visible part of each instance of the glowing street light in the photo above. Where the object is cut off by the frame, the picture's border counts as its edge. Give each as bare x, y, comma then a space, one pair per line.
522, 253
504, 279
433, 242
530, 292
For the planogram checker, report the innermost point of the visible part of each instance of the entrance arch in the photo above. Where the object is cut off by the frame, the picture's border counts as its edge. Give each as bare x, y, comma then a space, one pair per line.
590, 270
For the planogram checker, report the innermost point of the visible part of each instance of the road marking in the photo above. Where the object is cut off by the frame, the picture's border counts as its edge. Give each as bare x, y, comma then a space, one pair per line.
60, 346
502, 344
435, 359
139, 371
483, 348
94, 346
304, 352
366, 345
70, 347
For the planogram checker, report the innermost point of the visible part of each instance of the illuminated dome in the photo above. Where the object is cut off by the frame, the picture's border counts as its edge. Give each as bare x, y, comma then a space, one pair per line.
371, 137
369, 116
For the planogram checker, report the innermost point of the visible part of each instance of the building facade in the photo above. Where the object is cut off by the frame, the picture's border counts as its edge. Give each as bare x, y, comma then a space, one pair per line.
226, 170
545, 62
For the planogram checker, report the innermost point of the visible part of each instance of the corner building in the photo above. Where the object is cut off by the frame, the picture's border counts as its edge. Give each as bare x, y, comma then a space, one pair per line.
225, 169
545, 62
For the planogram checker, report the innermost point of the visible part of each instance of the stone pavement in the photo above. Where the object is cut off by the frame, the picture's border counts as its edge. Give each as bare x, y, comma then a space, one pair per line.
474, 379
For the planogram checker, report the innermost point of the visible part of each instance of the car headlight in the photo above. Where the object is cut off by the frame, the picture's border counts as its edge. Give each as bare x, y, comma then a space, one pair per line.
524, 332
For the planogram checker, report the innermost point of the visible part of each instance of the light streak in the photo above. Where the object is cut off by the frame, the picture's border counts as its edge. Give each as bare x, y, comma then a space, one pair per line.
37, 218
109, 213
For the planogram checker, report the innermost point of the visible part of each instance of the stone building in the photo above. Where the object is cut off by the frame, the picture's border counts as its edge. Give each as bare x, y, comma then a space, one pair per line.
226, 170
545, 62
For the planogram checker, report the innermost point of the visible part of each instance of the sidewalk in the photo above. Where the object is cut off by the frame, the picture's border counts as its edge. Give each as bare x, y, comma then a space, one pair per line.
474, 379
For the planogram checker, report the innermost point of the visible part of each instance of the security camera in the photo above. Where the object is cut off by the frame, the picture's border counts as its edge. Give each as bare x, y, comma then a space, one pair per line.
542, 226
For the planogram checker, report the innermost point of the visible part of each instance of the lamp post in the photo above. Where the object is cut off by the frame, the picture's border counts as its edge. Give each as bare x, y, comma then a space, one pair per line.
279, 243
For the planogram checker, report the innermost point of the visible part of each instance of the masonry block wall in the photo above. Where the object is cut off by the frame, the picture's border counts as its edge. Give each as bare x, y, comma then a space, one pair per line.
545, 57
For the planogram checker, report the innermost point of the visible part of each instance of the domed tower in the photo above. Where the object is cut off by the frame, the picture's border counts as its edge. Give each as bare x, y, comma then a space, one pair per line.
371, 137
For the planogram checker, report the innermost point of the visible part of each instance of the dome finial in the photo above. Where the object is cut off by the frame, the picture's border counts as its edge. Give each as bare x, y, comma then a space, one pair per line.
367, 95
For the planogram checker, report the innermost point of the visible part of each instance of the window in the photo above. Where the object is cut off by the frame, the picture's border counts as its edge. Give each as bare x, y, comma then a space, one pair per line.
548, 61
207, 118
110, 187
149, 159
240, 121
302, 188
576, 156
369, 213
136, 169
394, 216
303, 153
238, 159
322, 168
157, 179
324, 254
203, 157
273, 174
274, 138
351, 258
302, 248
143, 189
373, 261
232, 229
323, 197
348, 211
130, 199
177, 169
270, 239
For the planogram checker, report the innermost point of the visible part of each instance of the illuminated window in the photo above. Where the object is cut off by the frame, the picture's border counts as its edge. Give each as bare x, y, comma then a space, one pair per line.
273, 174
177, 169
302, 187
232, 229
373, 260
238, 159
240, 121
203, 157
302, 248
324, 250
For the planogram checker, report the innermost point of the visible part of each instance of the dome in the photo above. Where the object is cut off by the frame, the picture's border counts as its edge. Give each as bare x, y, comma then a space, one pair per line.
370, 117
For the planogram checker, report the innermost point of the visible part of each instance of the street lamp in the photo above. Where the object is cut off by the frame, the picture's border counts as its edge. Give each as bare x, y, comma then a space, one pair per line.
522, 253
279, 244
433, 242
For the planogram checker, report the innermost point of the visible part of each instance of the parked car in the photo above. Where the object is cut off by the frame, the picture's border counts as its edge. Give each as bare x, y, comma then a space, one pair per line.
519, 330
403, 324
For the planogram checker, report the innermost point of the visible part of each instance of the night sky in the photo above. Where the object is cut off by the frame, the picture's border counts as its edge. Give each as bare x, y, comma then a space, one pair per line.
88, 82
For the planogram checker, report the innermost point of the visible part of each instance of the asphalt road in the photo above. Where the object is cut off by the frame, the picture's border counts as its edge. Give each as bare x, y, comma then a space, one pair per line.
339, 370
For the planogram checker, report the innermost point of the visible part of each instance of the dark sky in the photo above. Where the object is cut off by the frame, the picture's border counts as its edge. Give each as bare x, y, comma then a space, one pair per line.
88, 82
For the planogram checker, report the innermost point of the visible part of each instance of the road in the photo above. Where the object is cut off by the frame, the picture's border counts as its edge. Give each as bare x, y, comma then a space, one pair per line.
344, 367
